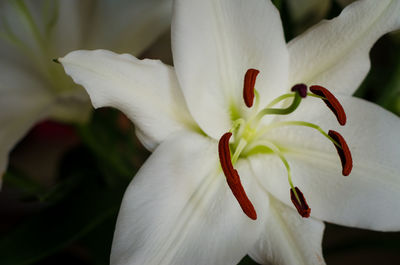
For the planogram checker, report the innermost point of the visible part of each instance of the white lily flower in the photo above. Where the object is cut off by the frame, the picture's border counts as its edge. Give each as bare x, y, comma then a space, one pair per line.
187, 204
32, 33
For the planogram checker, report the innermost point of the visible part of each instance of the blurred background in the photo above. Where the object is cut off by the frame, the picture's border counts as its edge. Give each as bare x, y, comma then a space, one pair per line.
66, 177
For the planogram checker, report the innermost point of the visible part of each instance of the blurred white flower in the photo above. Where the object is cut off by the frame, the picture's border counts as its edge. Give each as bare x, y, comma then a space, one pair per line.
181, 208
32, 33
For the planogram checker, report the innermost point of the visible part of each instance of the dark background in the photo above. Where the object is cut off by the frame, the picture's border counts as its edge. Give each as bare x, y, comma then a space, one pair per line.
63, 188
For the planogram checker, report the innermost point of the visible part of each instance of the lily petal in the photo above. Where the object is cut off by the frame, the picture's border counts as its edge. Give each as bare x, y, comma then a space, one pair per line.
367, 198
343, 68
146, 90
212, 55
179, 209
23, 102
289, 239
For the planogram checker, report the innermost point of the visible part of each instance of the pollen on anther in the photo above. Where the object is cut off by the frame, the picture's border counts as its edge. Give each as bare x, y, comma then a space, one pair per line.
301, 206
332, 102
232, 177
343, 152
301, 89
248, 86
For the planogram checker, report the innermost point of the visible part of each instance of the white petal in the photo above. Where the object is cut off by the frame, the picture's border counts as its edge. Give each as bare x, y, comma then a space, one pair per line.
129, 26
334, 53
145, 90
179, 209
214, 44
289, 239
370, 196
23, 102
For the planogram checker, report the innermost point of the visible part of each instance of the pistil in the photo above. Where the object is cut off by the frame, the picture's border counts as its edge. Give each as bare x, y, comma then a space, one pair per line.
282, 111
301, 89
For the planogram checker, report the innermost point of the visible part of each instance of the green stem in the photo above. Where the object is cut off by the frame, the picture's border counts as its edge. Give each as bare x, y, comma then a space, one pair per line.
288, 95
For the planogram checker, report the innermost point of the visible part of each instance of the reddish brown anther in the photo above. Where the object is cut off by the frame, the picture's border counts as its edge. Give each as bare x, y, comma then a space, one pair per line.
232, 177
301, 206
343, 151
248, 87
332, 102
301, 89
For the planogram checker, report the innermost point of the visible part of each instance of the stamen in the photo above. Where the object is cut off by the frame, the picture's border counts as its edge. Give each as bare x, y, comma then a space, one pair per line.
301, 89
248, 87
232, 177
331, 101
343, 151
265, 129
300, 202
